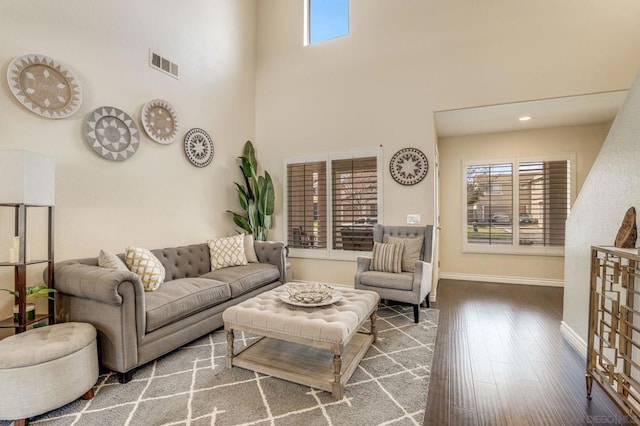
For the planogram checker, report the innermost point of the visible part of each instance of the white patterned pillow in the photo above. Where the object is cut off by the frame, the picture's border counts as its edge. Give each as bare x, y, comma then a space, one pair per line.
227, 251
411, 252
250, 250
143, 263
106, 259
386, 258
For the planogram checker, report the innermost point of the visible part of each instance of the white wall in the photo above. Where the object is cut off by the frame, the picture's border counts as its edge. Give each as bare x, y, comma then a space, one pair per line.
585, 141
610, 189
406, 59
156, 198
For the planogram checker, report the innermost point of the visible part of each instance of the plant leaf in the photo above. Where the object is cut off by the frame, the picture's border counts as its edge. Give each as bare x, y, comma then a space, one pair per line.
241, 221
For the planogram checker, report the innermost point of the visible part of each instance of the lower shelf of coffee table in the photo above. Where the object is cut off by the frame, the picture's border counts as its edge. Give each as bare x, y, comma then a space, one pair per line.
303, 364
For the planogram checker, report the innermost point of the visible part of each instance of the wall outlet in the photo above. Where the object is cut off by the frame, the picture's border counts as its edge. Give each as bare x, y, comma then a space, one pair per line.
413, 219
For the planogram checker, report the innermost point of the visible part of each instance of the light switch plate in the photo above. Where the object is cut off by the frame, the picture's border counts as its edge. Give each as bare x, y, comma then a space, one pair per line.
413, 219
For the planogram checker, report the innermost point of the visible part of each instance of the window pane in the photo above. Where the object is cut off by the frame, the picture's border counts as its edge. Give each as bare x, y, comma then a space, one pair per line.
328, 19
355, 203
545, 200
307, 205
490, 204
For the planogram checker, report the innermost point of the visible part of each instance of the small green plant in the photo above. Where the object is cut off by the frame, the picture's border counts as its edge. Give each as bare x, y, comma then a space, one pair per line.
257, 197
41, 291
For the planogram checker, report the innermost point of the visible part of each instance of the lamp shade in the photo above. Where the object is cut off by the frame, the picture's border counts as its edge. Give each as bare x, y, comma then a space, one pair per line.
26, 178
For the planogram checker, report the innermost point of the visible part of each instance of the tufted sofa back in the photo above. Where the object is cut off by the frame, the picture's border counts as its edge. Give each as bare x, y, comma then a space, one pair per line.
381, 233
184, 262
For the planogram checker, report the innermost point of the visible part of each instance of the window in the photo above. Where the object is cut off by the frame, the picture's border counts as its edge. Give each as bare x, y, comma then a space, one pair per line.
326, 19
331, 203
518, 205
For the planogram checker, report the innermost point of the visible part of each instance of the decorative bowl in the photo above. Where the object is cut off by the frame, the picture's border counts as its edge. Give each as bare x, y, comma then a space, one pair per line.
310, 293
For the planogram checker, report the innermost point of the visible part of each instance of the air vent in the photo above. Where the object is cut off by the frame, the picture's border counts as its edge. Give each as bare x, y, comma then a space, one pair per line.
163, 64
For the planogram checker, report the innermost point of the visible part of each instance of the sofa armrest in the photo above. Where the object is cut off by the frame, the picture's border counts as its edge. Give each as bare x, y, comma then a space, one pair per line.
94, 282
273, 252
363, 265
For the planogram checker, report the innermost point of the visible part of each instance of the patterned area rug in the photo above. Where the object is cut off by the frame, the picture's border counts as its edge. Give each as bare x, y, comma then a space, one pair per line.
191, 386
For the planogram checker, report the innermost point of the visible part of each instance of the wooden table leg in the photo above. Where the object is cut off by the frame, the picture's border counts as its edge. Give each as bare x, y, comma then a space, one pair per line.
230, 339
374, 330
337, 388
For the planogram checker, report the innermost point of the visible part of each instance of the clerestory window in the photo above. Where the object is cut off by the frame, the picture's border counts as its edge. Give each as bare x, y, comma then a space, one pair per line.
325, 19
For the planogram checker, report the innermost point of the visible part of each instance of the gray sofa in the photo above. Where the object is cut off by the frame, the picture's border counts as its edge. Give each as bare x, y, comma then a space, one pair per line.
134, 326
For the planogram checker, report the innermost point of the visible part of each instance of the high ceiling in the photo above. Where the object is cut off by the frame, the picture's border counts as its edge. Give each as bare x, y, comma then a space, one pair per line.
567, 111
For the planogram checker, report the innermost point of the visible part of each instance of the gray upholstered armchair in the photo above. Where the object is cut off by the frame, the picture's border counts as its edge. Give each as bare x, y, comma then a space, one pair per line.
408, 287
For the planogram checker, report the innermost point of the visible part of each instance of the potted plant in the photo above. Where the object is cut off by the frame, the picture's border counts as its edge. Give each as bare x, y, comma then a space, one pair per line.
32, 293
257, 197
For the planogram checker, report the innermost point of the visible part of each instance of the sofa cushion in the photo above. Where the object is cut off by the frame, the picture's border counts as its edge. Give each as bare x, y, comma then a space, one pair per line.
228, 251
243, 279
106, 259
180, 298
249, 249
401, 281
143, 263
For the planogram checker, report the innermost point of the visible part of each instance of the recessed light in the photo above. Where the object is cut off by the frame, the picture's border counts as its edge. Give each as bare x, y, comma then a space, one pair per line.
525, 118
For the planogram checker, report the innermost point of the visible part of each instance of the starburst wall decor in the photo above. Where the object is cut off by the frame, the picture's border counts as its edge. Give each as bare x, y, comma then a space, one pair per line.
408, 166
44, 86
198, 146
112, 133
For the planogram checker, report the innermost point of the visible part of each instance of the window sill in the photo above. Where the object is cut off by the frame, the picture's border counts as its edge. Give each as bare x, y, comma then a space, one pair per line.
338, 255
516, 251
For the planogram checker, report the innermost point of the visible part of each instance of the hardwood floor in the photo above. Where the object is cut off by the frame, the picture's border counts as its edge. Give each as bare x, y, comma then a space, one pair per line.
500, 359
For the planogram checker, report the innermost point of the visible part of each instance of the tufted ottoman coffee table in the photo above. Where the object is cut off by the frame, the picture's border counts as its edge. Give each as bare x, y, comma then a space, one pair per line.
313, 346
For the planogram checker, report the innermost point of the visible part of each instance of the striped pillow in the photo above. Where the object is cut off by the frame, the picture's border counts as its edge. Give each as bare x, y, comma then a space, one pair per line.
386, 258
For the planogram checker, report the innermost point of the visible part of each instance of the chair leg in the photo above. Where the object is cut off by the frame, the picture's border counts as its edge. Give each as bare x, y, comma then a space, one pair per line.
428, 300
416, 313
125, 377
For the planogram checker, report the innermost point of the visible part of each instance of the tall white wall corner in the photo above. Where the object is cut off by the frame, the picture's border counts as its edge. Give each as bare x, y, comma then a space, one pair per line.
609, 190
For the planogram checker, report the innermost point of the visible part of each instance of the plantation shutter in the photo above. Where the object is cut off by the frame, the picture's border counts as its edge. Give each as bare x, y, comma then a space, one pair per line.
354, 184
307, 205
545, 201
490, 204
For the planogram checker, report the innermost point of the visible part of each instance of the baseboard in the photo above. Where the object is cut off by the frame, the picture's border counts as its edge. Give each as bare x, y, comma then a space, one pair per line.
545, 282
576, 341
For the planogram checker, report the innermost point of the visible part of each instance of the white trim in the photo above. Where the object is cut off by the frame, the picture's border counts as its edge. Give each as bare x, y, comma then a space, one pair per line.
574, 338
432, 296
544, 282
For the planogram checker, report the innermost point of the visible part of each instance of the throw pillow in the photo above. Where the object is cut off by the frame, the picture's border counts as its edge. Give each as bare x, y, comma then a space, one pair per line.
386, 258
143, 263
250, 250
227, 251
411, 253
106, 259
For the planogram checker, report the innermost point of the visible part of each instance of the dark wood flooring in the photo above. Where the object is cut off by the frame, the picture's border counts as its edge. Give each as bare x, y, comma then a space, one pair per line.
500, 359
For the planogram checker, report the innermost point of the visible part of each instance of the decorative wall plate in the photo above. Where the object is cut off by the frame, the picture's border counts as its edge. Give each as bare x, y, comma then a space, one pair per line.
160, 121
199, 147
44, 86
408, 166
112, 133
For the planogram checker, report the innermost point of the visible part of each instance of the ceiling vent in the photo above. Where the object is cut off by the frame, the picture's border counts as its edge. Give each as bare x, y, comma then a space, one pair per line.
163, 64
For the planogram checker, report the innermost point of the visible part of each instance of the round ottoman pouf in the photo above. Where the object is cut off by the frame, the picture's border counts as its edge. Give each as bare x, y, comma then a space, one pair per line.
45, 368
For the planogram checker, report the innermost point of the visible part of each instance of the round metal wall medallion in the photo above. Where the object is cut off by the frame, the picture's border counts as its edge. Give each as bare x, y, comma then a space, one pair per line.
160, 121
44, 86
199, 147
112, 133
408, 166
